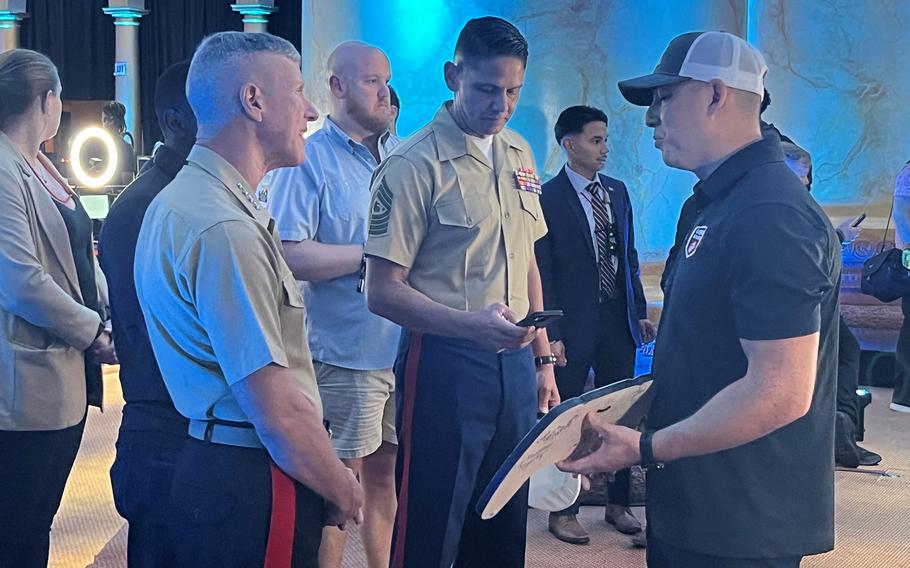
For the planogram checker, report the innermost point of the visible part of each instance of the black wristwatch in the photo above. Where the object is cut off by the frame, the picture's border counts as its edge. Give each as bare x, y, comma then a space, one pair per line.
545, 360
647, 452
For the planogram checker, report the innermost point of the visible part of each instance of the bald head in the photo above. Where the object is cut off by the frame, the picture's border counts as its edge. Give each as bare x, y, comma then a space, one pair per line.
349, 57
358, 80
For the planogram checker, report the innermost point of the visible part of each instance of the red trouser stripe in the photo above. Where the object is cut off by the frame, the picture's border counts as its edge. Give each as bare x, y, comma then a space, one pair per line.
412, 362
280, 546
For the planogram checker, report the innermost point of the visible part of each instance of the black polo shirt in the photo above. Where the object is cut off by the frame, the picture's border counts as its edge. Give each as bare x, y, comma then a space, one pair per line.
149, 415
758, 260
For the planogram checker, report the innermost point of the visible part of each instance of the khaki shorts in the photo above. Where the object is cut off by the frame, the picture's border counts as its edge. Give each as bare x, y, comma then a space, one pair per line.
360, 408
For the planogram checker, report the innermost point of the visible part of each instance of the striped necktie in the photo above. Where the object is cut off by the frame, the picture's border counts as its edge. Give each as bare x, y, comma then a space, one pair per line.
606, 248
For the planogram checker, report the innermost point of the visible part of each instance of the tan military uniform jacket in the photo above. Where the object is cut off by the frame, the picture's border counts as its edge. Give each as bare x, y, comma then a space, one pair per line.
463, 226
218, 298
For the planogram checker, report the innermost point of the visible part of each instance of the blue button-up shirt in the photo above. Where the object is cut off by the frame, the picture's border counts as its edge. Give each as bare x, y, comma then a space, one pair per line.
327, 199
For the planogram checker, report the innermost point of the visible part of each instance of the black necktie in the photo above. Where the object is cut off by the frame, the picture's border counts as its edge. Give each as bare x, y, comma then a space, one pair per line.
603, 229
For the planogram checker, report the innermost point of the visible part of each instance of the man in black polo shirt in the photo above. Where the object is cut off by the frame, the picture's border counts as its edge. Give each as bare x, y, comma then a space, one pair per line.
152, 431
746, 356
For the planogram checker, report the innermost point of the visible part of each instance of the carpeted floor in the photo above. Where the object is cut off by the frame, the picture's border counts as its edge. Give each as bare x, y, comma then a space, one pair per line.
873, 507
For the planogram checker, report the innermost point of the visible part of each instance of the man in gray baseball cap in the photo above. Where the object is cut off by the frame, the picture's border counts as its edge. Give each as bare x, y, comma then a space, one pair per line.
739, 438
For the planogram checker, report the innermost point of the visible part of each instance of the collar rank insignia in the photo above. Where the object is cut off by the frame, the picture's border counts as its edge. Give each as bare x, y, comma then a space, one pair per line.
527, 180
695, 239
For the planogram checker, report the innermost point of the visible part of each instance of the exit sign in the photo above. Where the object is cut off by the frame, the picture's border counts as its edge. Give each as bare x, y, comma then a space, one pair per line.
120, 69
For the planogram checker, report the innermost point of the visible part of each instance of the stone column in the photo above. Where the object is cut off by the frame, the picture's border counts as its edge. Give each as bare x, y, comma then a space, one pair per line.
126, 14
12, 12
255, 14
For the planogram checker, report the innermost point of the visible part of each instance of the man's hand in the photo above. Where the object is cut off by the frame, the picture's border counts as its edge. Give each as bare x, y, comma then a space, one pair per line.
547, 393
558, 348
619, 449
102, 350
648, 330
847, 229
494, 328
347, 505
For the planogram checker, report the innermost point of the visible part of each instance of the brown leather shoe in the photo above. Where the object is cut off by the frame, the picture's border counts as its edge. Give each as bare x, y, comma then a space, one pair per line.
567, 529
622, 518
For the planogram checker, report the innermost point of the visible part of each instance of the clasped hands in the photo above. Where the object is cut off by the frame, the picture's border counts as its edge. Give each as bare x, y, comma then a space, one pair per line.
102, 350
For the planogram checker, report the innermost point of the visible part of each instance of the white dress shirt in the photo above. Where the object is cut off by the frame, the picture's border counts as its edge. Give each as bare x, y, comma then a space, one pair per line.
581, 183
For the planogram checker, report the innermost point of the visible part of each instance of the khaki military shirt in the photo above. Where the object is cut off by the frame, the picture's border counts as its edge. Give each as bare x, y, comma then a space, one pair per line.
463, 226
218, 298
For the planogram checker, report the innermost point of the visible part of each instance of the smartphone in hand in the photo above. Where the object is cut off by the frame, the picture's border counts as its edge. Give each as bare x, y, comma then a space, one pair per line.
540, 319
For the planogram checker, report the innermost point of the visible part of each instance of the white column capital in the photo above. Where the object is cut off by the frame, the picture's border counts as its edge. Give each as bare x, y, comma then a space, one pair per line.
255, 14
12, 12
125, 12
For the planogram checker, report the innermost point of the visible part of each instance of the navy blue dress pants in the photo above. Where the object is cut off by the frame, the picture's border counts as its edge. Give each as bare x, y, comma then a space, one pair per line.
461, 411
232, 508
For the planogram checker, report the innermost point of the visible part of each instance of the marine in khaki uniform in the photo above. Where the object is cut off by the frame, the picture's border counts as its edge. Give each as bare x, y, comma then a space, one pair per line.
257, 479
450, 251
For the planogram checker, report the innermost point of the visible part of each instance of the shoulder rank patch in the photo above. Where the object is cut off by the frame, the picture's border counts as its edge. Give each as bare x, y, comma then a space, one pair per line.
380, 210
695, 239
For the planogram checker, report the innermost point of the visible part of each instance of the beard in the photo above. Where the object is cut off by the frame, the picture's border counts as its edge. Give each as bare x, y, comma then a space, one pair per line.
375, 120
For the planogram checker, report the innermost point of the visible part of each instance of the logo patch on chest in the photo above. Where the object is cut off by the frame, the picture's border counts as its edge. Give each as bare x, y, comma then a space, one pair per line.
695, 239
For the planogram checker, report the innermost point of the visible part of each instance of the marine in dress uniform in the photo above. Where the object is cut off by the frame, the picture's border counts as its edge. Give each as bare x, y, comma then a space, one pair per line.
257, 478
457, 215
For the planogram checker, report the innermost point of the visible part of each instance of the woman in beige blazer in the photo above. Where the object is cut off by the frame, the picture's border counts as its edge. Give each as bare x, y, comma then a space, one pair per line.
52, 308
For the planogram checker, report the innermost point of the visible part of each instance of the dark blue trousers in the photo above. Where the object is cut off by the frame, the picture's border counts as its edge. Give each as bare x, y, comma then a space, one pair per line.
141, 479
461, 411
226, 510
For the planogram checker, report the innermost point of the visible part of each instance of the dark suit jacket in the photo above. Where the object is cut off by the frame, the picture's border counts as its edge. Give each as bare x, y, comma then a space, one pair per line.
568, 268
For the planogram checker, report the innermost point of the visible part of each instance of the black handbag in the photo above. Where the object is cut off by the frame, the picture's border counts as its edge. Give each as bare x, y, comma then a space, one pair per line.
884, 275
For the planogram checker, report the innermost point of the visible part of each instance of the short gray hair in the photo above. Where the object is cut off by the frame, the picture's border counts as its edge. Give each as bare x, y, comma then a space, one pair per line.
211, 85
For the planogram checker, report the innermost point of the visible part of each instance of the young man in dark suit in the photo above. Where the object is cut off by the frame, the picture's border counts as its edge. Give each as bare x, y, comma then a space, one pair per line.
589, 269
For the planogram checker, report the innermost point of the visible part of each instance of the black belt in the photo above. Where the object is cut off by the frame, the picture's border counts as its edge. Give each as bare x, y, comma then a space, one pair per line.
226, 432
230, 433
